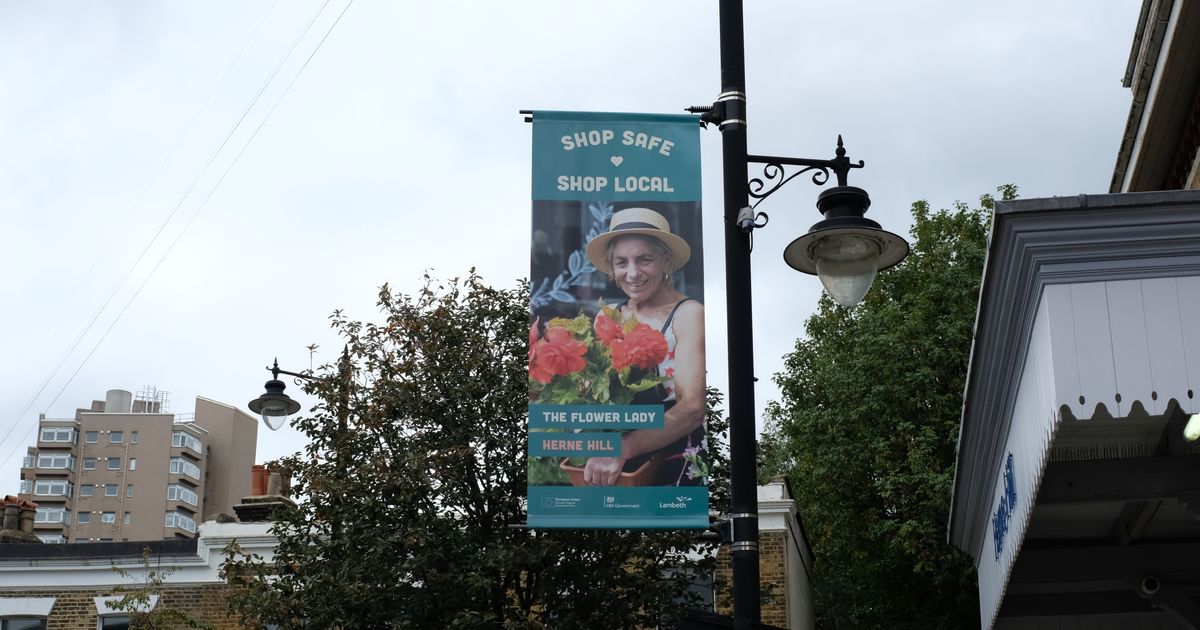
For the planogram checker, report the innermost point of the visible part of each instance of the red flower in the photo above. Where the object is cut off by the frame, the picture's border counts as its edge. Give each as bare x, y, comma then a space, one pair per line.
556, 353
607, 330
642, 347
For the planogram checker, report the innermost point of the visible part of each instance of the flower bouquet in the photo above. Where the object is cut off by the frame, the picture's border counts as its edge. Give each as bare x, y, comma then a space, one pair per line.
607, 361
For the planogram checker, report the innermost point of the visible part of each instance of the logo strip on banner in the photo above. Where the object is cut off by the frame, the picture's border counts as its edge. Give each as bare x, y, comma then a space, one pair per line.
616, 337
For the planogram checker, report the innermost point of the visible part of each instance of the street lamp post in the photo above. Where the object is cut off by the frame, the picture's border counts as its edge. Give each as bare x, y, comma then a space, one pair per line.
844, 249
274, 406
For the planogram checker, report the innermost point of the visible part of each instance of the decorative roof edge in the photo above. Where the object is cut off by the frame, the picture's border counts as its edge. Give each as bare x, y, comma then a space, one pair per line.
1054, 240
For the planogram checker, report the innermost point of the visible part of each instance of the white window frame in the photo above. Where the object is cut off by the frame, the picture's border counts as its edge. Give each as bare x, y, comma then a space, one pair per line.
183, 494
83, 517
53, 488
58, 434
26, 607
116, 437
181, 466
181, 521
108, 518
52, 514
48, 461
112, 490
88, 435
89, 460
91, 490
181, 439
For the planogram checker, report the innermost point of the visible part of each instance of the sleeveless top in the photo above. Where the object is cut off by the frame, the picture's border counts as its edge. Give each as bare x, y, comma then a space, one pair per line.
672, 467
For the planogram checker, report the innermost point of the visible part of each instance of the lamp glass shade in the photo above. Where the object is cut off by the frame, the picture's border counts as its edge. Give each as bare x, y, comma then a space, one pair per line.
846, 264
274, 422
274, 413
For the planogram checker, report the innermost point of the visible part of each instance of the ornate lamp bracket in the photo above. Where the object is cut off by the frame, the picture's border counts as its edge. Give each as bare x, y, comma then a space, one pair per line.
775, 173
275, 371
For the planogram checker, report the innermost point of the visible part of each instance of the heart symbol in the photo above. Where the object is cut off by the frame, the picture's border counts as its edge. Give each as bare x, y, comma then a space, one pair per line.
616, 160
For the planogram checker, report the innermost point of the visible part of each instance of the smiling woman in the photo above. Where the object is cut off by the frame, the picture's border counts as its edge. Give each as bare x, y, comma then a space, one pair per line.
620, 334
640, 253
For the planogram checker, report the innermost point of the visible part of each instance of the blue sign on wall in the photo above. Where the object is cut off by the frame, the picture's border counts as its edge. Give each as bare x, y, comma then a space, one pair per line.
1004, 508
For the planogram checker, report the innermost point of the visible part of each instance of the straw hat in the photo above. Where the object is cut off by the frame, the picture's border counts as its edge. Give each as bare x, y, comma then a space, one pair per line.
638, 221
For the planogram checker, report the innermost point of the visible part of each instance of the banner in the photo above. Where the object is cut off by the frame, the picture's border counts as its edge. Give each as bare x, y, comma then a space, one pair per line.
616, 336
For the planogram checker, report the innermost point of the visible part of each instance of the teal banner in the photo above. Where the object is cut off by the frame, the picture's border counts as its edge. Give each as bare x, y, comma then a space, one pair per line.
634, 508
615, 157
616, 336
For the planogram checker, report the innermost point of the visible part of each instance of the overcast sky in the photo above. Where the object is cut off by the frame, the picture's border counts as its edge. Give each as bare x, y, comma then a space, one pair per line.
159, 176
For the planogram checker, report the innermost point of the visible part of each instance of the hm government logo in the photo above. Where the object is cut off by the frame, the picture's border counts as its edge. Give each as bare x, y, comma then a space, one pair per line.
610, 502
680, 503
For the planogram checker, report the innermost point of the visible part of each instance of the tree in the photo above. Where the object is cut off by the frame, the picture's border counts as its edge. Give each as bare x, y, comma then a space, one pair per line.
867, 429
142, 601
410, 516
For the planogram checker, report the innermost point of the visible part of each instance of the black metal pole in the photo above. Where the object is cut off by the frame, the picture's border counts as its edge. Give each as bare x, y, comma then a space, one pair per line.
742, 433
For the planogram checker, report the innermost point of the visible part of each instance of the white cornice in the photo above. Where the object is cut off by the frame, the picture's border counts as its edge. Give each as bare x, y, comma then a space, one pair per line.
1036, 242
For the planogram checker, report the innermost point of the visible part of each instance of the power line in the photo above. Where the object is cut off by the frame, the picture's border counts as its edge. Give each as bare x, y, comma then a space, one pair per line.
137, 202
186, 194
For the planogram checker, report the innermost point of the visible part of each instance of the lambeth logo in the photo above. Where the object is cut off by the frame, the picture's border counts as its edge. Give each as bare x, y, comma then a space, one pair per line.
680, 503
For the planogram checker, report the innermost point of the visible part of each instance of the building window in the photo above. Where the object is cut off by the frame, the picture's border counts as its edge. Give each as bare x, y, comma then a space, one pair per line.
176, 492
108, 517
180, 520
133, 437
89, 463
56, 461
83, 518
52, 539
183, 440
128, 489
110, 490
116, 437
54, 488
26, 486
52, 515
58, 434
86, 490
114, 463
114, 622
27, 462
91, 437
128, 518
181, 466
24, 623
132, 463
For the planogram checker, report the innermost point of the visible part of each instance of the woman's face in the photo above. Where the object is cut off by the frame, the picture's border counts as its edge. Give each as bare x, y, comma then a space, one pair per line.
638, 267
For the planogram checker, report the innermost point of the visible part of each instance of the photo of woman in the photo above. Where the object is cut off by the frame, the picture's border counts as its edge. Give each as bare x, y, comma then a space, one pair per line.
640, 254
622, 323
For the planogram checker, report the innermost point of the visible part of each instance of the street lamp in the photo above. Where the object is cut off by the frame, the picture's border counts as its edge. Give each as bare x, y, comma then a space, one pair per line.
274, 406
844, 249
